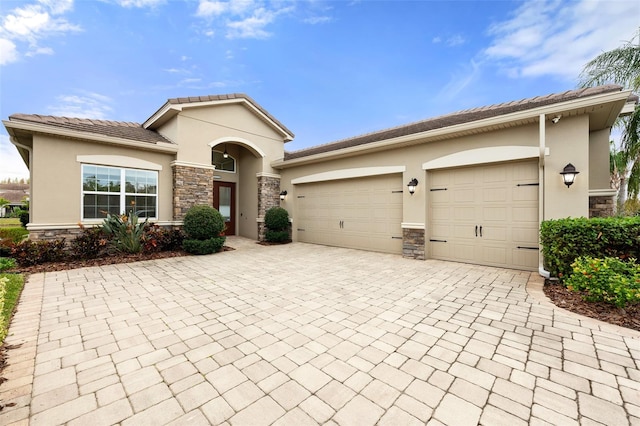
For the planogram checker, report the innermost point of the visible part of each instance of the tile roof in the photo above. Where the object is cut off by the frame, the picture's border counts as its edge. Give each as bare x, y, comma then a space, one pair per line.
460, 117
117, 129
230, 96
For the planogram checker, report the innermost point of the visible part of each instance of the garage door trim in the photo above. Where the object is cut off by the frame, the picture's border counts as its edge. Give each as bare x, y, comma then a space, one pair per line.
349, 174
493, 154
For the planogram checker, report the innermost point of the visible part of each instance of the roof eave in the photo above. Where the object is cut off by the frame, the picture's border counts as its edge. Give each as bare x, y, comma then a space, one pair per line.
13, 125
531, 115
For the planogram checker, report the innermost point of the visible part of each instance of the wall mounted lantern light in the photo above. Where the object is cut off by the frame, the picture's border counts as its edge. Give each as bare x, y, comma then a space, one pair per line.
412, 185
569, 174
283, 195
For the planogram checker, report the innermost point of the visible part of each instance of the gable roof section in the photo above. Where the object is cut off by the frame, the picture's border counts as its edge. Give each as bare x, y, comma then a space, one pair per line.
174, 105
453, 119
66, 126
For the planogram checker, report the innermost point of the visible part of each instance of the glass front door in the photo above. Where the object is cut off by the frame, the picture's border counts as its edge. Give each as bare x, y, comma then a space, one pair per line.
224, 201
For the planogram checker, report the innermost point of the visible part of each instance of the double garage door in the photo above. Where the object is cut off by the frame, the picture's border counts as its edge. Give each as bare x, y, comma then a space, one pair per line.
486, 215
360, 213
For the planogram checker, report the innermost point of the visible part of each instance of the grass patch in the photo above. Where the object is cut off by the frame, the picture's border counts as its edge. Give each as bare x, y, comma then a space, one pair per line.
13, 288
9, 222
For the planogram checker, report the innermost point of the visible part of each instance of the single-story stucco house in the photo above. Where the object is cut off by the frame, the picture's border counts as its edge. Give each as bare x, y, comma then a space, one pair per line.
481, 180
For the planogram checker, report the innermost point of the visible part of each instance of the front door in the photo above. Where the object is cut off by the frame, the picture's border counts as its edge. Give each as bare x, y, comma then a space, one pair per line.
224, 200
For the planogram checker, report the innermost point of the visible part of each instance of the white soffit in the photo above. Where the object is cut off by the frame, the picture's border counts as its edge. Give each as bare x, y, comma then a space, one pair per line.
349, 173
493, 154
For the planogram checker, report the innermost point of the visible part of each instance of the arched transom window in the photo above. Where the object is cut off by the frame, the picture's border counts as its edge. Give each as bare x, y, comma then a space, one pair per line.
222, 163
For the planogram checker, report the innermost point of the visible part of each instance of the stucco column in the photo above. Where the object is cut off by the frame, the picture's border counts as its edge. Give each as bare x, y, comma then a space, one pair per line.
191, 186
268, 197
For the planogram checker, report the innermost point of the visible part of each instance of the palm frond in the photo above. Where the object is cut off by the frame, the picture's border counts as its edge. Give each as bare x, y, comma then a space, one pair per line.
619, 66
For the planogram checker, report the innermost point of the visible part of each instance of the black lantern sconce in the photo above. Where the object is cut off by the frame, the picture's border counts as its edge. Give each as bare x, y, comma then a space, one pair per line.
283, 195
569, 174
412, 185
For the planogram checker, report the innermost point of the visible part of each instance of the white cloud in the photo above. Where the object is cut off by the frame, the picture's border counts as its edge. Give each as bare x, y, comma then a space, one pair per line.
140, 3
24, 28
85, 105
318, 20
241, 18
559, 38
11, 164
8, 52
455, 40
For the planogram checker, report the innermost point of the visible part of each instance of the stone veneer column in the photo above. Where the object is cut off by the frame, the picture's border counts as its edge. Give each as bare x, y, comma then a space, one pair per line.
268, 197
413, 243
601, 206
191, 186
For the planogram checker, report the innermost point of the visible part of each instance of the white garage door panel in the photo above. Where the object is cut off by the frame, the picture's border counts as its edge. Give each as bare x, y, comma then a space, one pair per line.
363, 213
500, 198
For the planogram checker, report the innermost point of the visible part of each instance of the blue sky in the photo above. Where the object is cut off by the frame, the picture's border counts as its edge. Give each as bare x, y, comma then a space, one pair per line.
326, 69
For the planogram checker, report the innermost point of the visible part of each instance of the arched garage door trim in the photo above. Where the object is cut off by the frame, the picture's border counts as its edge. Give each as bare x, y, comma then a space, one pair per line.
493, 154
348, 174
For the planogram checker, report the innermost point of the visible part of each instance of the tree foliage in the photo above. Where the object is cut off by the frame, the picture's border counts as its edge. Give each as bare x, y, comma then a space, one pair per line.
621, 66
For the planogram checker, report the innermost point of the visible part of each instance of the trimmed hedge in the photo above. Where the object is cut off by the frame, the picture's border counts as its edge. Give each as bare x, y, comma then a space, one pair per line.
203, 225
212, 245
276, 219
606, 280
203, 222
565, 240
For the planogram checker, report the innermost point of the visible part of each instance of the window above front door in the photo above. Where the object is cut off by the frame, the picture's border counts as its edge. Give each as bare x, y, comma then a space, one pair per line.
221, 163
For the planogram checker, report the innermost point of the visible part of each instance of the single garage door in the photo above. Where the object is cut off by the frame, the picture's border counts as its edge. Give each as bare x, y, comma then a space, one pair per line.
485, 215
361, 213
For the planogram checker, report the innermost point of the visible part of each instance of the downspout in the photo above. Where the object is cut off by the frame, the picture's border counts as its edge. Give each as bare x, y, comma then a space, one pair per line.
30, 151
543, 149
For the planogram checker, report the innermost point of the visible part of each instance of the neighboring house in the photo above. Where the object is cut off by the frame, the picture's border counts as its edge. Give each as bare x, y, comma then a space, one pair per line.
485, 177
16, 194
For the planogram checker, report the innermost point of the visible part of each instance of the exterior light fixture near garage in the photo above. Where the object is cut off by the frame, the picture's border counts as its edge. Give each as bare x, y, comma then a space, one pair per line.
412, 185
283, 195
569, 174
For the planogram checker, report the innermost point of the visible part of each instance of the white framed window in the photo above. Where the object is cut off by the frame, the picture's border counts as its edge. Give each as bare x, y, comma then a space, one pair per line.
118, 190
221, 163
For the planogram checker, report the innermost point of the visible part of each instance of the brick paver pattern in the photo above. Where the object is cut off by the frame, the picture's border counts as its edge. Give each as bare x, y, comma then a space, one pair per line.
304, 334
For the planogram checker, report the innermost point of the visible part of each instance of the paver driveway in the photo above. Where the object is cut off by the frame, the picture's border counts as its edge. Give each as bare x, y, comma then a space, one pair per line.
304, 334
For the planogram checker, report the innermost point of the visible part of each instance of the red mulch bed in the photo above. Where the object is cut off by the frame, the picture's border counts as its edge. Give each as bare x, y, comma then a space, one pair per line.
572, 301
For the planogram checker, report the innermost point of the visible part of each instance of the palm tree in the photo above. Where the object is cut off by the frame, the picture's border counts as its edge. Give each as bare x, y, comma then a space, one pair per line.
621, 66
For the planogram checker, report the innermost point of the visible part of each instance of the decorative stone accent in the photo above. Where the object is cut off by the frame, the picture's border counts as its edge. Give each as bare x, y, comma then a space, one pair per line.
54, 234
268, 197
601, 206
413, 243
191, 186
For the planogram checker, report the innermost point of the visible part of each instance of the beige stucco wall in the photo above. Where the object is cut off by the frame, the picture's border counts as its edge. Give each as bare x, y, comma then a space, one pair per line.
599, 177
568, 142
57, 181
198, 127
247, 200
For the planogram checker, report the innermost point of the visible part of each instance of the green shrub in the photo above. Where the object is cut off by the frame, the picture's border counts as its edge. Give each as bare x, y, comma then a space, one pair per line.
209, 246
89, 244
565, 240
126, 232
157, 238
11, 288
606, 280
276, 236
7, 263
24, 218
14, 234
276, 219
203, 222
29, 252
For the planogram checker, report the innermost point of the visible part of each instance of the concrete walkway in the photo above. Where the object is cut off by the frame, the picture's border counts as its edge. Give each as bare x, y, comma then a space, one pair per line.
303, 334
